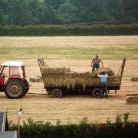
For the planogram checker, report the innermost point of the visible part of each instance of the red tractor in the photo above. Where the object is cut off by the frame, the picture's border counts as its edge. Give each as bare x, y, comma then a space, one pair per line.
15, 84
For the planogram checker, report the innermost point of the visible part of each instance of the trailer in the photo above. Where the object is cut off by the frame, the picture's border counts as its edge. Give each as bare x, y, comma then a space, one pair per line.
62, 81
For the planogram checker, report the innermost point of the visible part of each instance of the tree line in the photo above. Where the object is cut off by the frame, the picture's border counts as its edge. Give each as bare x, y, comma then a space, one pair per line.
60, 12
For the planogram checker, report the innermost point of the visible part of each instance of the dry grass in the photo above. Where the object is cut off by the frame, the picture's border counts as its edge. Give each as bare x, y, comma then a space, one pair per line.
71, 47
70, 41
72, 109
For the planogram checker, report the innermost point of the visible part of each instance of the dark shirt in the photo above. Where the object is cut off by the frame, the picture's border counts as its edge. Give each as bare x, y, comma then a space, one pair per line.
96, 61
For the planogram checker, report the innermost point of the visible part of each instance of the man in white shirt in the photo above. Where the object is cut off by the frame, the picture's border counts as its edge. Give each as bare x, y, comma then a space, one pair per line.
103, 81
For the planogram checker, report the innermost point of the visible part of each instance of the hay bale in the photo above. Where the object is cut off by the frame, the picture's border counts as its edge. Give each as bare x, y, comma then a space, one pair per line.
107, 70
114, 80
85, 75
54, 70
132, 95
56, 82
132, 100
37, 79
32, 79
134, 79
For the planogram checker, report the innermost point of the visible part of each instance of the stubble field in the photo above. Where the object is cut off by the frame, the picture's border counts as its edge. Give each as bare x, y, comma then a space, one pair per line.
75, 53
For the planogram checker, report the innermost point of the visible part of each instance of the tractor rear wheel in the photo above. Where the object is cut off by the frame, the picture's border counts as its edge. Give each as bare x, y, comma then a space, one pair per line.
96, 93
57, 93
26, 88
14, 88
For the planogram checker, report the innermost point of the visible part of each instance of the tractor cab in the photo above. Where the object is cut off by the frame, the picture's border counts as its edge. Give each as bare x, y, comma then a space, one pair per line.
13, 82
16, 70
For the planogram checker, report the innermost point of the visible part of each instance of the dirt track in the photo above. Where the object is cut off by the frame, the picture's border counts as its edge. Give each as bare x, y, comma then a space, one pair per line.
72, 109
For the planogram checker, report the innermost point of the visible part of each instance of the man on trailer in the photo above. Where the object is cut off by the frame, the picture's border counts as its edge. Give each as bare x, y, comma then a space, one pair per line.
95, 64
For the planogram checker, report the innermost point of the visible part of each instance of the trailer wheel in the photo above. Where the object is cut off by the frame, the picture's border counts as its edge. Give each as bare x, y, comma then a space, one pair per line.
96, 93
14, 89
57, 93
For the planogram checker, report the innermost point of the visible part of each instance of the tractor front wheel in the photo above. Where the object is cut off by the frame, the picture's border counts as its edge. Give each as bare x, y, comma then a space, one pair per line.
14, 88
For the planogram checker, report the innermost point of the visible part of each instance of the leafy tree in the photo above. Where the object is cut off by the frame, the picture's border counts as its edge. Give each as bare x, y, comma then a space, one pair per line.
2, 17
67, 13
130, 10
34, 12
113, 7
46, 14
55, 3
29, 12
90, 10
18, 14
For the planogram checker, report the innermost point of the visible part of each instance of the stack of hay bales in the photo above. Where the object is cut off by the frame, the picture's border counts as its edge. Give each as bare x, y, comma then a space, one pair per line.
59, 77
63, 77
132, 99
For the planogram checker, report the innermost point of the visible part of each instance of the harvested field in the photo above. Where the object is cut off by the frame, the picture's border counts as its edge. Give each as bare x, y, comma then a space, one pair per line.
38, 105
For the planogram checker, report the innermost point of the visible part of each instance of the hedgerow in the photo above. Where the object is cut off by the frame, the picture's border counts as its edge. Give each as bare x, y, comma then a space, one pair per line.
68, 30
118, 129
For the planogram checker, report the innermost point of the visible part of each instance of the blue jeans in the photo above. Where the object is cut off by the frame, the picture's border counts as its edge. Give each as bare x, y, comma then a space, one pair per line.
103, 89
